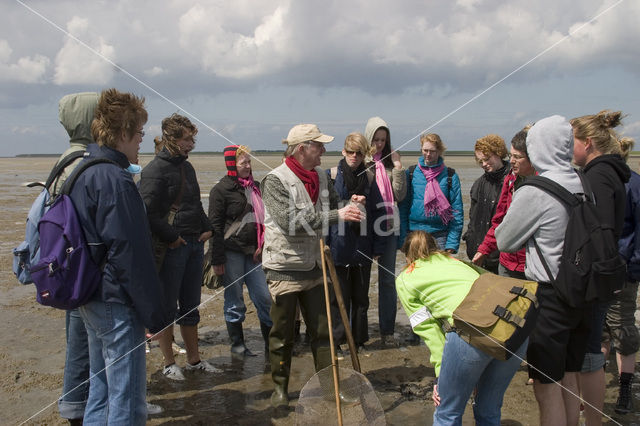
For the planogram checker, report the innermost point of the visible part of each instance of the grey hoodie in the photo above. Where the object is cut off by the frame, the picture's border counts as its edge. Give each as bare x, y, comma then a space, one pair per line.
76, 113
533, 212
397, 177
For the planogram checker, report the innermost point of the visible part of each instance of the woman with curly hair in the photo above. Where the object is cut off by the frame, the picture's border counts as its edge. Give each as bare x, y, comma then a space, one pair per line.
169, 187
491, 154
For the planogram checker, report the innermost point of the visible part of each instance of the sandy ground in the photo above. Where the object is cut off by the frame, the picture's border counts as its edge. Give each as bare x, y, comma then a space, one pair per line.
32, 344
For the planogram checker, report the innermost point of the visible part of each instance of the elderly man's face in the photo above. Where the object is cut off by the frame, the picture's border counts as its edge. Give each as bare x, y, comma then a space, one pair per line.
312, 153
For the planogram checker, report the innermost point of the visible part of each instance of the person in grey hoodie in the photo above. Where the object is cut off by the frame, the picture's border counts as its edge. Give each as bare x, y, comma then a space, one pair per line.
558, 343
76, 112
391, 180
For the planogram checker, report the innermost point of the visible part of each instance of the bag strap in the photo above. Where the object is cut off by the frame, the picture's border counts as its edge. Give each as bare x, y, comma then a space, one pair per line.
507, 315
235, 225
58, 168
544, 262
450, 172
558, 191
521, 291
71, 180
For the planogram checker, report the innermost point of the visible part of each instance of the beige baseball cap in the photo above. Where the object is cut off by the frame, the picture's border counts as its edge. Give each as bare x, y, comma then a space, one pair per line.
306, 132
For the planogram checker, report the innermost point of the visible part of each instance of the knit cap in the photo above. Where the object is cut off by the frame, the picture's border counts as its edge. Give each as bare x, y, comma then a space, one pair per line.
230, 159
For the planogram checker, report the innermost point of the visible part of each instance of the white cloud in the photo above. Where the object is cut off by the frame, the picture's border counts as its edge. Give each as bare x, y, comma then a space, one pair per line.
26, 130
155, 71
27, 69
77, 64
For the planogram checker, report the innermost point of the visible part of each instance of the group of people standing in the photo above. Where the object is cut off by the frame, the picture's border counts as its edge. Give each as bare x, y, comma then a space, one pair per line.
266, 235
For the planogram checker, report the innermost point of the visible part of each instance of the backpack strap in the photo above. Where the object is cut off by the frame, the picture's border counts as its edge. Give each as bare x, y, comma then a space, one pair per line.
58, 169
560, 193
555, 189
71, 180
450, 172
333, 173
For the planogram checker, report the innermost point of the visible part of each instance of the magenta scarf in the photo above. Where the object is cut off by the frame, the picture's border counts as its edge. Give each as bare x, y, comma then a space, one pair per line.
384, 185
258, 206
434, 200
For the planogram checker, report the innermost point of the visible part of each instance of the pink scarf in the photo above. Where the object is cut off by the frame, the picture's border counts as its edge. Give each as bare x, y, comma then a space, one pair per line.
384, 185
258, 206
434, 200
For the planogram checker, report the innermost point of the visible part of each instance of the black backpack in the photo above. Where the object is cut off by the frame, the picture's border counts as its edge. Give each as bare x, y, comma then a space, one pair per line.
591, 268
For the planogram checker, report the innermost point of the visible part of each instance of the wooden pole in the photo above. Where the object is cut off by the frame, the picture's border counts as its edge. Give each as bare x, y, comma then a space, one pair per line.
334, 361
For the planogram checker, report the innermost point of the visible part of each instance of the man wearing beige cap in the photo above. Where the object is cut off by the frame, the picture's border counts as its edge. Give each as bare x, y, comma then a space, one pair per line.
300, 204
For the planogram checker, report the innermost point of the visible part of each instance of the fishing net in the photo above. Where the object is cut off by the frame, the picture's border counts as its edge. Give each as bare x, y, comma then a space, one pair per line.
317, 404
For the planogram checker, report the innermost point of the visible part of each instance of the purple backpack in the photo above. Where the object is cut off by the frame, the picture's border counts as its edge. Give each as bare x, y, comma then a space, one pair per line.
66, 276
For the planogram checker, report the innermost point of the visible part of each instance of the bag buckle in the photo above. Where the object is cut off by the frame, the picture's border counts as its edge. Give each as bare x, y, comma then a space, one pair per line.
507, 315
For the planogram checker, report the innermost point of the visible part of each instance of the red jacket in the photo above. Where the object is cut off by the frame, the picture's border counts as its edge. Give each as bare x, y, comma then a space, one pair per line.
512, 261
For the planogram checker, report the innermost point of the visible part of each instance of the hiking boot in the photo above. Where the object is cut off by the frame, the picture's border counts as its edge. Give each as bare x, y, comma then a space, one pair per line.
624, 404
173, 372
203, 365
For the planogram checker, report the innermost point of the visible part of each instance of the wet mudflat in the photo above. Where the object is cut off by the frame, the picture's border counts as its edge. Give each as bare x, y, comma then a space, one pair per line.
32, 343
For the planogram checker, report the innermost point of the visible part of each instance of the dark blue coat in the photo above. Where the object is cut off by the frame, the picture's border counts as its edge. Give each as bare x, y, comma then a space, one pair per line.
349, 247
629, 243
115, 225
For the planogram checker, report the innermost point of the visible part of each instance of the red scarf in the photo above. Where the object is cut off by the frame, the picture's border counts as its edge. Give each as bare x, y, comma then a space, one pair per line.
309, 178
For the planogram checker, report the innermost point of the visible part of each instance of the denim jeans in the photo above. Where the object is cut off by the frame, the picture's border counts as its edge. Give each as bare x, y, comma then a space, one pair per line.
75, 388
118, 384
387, 296
240, 268
181, 277
465, 367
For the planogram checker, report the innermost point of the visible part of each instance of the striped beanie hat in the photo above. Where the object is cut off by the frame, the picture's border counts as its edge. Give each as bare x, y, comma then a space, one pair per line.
230, 159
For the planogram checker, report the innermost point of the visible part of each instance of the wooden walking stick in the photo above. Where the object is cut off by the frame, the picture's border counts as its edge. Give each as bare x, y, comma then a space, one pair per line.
334, 361
343, 311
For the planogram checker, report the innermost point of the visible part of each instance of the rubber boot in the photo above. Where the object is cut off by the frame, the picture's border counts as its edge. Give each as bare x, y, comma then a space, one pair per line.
280, 366
238, 348
265, 330
624, 404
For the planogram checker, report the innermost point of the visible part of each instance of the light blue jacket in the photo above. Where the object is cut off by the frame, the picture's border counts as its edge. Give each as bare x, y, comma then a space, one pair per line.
412, 215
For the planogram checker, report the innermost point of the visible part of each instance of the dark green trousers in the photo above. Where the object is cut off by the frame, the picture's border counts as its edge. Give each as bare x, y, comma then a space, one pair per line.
283, 315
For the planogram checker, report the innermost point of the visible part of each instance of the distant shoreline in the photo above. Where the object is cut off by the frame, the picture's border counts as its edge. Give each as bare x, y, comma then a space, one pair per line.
270, 153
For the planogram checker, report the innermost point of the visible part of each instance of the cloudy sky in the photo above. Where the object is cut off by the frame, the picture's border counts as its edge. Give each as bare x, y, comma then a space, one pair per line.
246, 71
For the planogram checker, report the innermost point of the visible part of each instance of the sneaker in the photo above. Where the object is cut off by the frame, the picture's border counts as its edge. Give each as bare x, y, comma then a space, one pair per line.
177, 349
173, 372
204, 366
153, 409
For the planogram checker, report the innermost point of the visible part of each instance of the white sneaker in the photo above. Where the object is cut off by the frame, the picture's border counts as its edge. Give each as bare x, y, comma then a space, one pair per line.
173, 372
204, 366
153, 409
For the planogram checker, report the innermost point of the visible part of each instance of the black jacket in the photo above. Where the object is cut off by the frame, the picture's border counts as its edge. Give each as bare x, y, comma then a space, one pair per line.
160, 185
607, 175
484, 199
228, 202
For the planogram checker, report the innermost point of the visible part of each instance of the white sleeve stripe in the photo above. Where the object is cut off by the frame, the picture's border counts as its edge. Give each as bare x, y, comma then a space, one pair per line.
420, 316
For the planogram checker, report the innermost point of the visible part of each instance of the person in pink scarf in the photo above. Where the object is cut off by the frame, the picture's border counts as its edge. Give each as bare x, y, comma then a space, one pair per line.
391, 180
434, 198
236, 213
